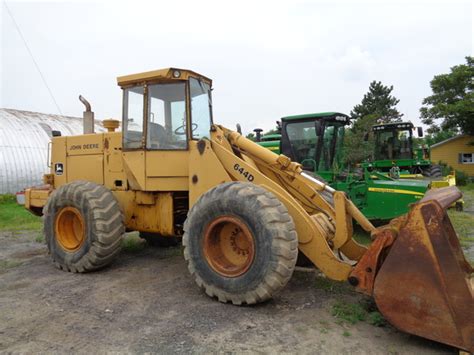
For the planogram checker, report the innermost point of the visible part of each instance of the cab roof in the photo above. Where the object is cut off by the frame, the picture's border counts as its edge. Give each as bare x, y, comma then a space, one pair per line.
393, 125
315, 115
165, 75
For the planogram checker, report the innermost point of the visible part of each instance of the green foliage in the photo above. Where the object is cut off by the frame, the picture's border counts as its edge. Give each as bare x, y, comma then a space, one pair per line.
378, 102
356, 149
251, 136
462, 179
16, 217
333, 287
349, 312
375, 318
437, 137
132, 243
452, 101
356, 312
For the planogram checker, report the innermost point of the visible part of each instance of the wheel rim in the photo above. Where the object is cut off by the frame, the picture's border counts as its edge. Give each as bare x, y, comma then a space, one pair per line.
229, 246
69, 228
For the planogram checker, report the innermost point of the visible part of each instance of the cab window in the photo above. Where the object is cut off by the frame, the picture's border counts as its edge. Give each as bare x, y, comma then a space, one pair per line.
166, 117
201, 108
133, 117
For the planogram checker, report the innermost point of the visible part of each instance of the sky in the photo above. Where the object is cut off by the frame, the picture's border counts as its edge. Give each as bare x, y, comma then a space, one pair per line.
267, 59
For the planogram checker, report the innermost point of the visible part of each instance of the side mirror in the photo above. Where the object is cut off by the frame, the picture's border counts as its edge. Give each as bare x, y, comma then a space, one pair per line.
366, 136
278, 123
239, 128
420, 131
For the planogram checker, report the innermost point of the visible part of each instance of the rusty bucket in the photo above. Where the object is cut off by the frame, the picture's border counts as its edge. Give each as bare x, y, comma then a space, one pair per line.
418, 275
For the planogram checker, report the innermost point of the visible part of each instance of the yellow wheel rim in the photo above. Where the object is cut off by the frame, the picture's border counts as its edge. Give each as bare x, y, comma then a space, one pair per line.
229, 246
69, 229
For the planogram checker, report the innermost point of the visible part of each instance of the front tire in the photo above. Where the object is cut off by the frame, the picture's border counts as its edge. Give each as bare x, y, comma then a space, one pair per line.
240, 243
83, 226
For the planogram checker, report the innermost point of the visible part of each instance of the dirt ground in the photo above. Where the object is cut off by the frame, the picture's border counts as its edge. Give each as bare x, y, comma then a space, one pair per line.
147, 302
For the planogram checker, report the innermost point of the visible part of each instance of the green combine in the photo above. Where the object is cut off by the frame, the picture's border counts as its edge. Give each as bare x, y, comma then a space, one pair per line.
316, 142
394, 152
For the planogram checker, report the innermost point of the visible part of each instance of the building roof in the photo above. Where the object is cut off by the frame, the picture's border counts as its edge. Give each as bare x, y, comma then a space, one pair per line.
448, 140
24, 139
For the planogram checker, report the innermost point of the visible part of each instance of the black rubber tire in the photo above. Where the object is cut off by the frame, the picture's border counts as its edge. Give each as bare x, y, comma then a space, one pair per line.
104, 226
156, 240
435, 171
275, 240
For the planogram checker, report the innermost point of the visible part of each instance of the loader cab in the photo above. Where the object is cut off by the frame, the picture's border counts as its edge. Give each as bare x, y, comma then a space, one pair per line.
314, 140
165, 113
165, 109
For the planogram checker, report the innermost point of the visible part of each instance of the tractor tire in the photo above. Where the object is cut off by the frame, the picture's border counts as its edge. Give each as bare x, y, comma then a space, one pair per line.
157, 240
435, 171
83, 226
240, 243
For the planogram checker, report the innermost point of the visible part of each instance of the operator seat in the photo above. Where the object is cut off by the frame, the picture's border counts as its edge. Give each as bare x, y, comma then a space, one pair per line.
156, 135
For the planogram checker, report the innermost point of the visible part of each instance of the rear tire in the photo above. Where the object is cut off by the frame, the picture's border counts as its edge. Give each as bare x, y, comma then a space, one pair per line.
436, 171
157, 240
83, 226
240, 243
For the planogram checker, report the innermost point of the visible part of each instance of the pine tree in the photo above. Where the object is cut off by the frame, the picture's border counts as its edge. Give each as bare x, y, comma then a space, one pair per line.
379, 102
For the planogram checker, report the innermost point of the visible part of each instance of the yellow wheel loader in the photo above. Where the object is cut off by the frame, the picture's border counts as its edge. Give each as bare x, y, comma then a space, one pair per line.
243, 212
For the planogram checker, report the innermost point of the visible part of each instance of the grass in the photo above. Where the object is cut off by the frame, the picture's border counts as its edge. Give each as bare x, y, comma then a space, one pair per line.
334, 287
16, 217
9, 264
352, 313
132, 243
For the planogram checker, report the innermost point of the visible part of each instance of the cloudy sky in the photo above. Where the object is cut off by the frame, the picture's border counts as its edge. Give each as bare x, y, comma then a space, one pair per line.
267, 58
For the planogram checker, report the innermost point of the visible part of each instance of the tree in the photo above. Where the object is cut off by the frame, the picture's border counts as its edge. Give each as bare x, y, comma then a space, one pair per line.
379, 102
356, 149
452, 101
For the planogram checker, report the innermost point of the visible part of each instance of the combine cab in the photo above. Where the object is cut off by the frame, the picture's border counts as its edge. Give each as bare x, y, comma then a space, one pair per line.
394, 148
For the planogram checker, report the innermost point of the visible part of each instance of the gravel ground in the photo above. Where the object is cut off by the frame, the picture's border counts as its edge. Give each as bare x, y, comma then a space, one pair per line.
147, 302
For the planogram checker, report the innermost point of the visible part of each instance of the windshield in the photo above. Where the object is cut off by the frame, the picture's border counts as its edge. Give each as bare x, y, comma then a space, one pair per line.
316, 153
303, 141
393, 144
201, 108
331, 146
167, 116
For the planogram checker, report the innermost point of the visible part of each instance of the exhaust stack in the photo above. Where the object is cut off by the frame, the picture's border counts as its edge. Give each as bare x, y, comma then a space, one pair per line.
88, 116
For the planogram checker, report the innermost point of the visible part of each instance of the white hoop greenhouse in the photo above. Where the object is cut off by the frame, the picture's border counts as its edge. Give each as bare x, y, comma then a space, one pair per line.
24, 138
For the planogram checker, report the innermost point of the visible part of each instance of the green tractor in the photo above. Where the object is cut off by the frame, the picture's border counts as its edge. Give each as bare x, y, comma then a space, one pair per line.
316, 142
395, 154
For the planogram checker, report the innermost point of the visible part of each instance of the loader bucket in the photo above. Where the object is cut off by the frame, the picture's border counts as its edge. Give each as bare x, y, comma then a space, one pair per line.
425, 285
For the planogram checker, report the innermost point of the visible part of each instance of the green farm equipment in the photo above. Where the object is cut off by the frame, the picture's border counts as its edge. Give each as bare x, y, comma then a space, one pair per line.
394, 151
316, 142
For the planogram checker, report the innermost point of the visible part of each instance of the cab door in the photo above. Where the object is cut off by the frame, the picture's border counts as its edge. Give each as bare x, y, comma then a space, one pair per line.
167, 137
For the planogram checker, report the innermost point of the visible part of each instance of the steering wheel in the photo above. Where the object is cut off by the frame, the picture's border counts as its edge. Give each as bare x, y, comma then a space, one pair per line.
181, 130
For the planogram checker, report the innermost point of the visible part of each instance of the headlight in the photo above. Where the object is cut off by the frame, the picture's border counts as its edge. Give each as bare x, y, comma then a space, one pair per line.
176, 74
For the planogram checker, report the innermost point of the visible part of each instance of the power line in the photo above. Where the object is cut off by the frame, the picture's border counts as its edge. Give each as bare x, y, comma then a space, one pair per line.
32, 57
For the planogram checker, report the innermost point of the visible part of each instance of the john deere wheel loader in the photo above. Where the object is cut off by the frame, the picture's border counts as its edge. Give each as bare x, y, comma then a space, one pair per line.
244, 212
